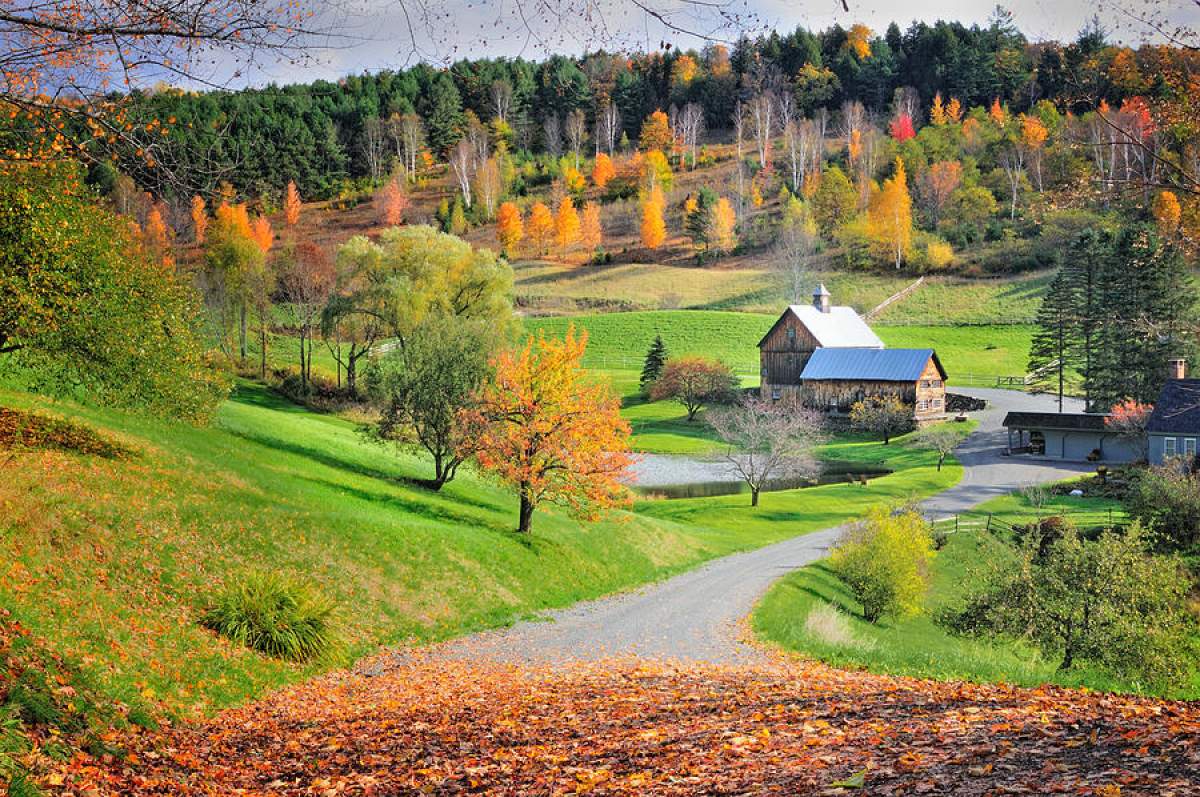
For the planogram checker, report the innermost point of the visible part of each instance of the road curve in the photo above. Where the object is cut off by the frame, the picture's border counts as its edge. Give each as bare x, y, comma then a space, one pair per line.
695, 616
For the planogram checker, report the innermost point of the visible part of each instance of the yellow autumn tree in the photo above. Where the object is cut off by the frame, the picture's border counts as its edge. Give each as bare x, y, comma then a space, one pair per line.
603, 170
291, 204
684, 70
540, 229
1167, 212
566, 224
156, 237
591, 231
889, 216
724, 225
654, 226
199, 218
954, 110
656, 133
510, 228
937, 112
858, 41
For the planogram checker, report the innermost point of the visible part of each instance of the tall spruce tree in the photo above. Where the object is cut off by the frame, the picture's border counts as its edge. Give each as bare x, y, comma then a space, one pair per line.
656, 358
1056, 341
1145, 304
1087, 258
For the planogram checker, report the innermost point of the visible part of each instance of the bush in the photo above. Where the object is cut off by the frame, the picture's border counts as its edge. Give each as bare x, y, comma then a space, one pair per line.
884, 560
28, 431
274, 616
1108, 602
1167, 500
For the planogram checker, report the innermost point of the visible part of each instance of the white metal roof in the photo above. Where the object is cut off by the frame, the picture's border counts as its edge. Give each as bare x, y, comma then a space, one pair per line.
840, 328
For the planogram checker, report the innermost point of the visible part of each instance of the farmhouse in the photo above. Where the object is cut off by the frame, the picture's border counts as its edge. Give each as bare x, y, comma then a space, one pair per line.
1174, 427
827, 357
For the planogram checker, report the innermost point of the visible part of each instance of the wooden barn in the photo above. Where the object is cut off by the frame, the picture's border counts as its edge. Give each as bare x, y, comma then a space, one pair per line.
802, 330
834, 379
829, 358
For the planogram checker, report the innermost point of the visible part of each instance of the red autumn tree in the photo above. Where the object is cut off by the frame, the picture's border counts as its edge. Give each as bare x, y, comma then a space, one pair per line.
695, 382
901, 127
1128, 420
391, 202
306, 281
554, 434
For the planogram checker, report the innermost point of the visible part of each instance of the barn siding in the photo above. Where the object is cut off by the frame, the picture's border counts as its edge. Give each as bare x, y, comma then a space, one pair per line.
784, 353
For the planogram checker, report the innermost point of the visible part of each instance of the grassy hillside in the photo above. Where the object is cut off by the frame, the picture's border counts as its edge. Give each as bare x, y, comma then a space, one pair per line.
917, 646
113, 558
618, 341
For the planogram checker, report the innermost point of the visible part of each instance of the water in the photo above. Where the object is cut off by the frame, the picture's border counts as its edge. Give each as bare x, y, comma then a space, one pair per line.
831, 473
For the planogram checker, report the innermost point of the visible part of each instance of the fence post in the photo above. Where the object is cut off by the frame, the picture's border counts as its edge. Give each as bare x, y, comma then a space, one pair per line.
956, 524
988, 529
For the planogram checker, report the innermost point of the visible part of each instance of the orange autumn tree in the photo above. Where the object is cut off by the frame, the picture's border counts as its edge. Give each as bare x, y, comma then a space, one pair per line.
603, 170
566, 224
551, 432
656, 133
261, 232
591, 230
157, 236
199, 218
540, 229
889, 216
510, 228
724, 225
654, 227
391, 202
1167, 212
291, 204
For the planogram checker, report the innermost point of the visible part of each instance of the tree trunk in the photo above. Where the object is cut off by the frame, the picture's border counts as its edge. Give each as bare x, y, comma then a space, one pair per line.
262, 354
525, 515
242, 331
352, 375
303, 364
941, 459
753, 496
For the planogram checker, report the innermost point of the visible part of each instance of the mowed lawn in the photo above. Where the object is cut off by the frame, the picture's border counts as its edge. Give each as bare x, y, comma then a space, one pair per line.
918, 646
973, 355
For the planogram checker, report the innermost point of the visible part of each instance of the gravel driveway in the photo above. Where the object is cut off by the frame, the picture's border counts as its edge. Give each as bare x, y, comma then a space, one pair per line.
694, 616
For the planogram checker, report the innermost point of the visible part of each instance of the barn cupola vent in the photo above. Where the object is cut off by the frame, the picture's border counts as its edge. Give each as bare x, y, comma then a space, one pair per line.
821, 298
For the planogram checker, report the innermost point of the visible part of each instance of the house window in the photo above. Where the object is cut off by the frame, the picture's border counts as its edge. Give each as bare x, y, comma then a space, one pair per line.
937, 404
922, 405
1169, 447
1189, 446
775, 394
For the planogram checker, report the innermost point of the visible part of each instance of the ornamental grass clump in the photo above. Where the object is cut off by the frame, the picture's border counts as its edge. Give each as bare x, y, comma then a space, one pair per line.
274, 616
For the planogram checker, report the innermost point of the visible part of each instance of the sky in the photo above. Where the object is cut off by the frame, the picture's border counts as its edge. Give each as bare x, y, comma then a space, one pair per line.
390, 34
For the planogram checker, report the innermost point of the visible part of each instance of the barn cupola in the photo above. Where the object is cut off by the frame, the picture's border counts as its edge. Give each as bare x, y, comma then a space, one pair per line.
821, 298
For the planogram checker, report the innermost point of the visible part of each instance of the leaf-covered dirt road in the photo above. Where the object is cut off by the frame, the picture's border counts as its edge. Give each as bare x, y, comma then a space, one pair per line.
433, 724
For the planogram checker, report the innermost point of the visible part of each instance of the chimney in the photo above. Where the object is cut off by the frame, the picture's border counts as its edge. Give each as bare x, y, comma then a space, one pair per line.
821, 298
1177, 368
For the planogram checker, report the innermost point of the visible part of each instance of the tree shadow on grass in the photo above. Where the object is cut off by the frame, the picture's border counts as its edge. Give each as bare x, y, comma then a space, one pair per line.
428, 509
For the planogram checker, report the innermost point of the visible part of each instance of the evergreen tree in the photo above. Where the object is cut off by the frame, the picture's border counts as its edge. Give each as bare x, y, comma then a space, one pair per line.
1086, 261
1145, 301
656, 358
699, 218
1055, 341
444, 115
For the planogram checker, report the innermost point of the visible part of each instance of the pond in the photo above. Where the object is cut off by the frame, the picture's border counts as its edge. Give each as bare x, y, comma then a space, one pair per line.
832, 472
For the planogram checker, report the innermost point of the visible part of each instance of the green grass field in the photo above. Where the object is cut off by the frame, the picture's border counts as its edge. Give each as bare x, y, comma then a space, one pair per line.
917, 646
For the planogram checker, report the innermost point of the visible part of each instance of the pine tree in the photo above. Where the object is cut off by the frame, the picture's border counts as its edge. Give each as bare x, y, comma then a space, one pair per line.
1085, 262
1055, 341
656, 358
699, 218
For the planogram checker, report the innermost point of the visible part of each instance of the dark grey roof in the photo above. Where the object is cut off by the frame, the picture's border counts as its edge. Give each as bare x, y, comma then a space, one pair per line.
875, 365
1177, 408
1065, 421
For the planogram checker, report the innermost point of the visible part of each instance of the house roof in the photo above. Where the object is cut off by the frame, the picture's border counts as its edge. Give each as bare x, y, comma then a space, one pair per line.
1177, 408
870, 365
1060, 421
841, 327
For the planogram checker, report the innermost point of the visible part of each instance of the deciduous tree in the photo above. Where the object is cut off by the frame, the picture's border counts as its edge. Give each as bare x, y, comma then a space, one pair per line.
510, 228
545, 427
199, 219
884, 416
656, 133
724, 225
884, 560
591, 229
602, 170
306, 281
540, 229
654, 227
291, 204
890, 216
566, 224
391, 202
695, 382
768, 441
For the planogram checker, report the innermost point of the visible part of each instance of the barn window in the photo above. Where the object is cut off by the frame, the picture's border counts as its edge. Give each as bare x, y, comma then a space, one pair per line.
1189, 446
776, 394
791, 333
1169, 446
764, 371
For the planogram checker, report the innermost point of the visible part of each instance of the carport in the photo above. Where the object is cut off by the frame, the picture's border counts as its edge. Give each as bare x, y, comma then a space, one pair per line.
1068, 436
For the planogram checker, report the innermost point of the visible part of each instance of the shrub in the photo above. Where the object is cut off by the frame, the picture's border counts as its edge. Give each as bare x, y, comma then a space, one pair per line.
274, 616
1167, 500
1108, 602
884, 560
28, 431
828, 625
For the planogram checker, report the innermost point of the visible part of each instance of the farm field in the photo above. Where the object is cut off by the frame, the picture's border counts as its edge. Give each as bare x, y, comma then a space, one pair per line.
918, 646
274, 487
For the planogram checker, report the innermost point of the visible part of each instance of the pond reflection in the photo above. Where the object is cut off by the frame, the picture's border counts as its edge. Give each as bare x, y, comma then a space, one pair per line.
831, 473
